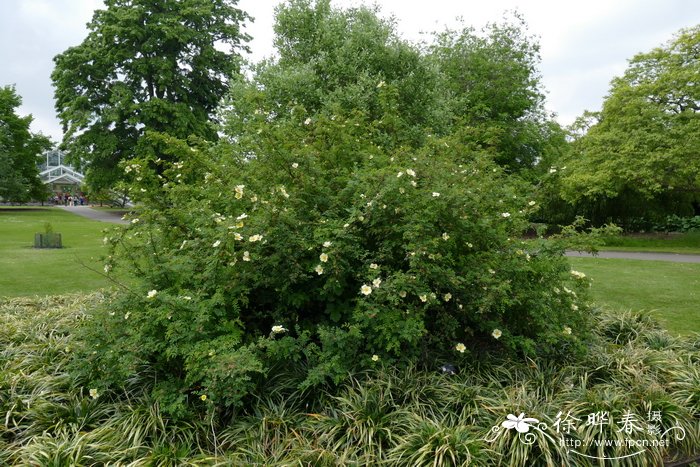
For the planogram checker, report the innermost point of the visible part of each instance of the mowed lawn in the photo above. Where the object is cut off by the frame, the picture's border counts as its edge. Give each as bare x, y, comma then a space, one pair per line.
668, 291
25, 270
688, 243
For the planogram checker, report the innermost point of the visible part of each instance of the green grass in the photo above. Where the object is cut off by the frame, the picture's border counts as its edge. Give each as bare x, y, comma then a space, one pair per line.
688, 243
668, 291
26, 271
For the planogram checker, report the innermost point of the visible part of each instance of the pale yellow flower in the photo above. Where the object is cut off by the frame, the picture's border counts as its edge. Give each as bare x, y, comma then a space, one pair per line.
460, 347
423, 298
578, 274
277, 329
496, 333
567, 330
216, 243
435, 194
366, 289
255, 238
375, 358
447, 297
152, 293
377, 282
374, 266
445, 236
402, 294
505, 214
203, 397
327, 244
323, 257
319, 269
246, 256
94, 394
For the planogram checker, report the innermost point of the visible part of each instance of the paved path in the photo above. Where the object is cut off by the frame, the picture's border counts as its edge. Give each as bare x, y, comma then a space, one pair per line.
675, 257
114, 217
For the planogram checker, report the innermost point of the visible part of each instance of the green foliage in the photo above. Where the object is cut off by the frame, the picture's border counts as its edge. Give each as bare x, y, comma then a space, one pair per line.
360, 255
350, 62
146, 65
640, 150
19, 149
675, 223
385, 416
330, 230
491, 89
578, 238
341, 62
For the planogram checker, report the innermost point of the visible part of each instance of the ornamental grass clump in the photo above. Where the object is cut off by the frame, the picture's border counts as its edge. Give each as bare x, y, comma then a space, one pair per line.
383, 415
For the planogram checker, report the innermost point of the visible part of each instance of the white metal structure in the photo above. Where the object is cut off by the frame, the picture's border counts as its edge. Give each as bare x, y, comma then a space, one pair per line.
54, 171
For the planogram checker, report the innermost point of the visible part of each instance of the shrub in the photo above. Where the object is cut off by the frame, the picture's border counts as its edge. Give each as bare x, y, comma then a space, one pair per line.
328, 251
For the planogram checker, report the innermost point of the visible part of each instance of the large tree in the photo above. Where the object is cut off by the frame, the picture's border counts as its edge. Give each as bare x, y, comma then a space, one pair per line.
483, 86
645, 143
334, 61
19, 148
145, 66
492, 89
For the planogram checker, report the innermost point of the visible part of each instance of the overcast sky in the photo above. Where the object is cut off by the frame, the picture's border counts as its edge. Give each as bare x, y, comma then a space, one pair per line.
584, 43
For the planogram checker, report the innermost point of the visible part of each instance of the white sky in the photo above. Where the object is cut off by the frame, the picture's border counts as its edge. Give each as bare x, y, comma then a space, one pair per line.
584, 44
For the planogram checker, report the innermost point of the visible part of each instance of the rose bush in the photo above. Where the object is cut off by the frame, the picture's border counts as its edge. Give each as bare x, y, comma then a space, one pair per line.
326, 253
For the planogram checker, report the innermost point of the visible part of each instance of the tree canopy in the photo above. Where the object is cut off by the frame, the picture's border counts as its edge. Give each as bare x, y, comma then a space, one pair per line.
492, 89
644, 143
19, 148
145, 66
483, 86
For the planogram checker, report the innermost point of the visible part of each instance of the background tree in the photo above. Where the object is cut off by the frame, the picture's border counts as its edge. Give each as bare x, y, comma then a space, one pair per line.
340, 62
19, 151
492, 90
145, 66
640, 155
